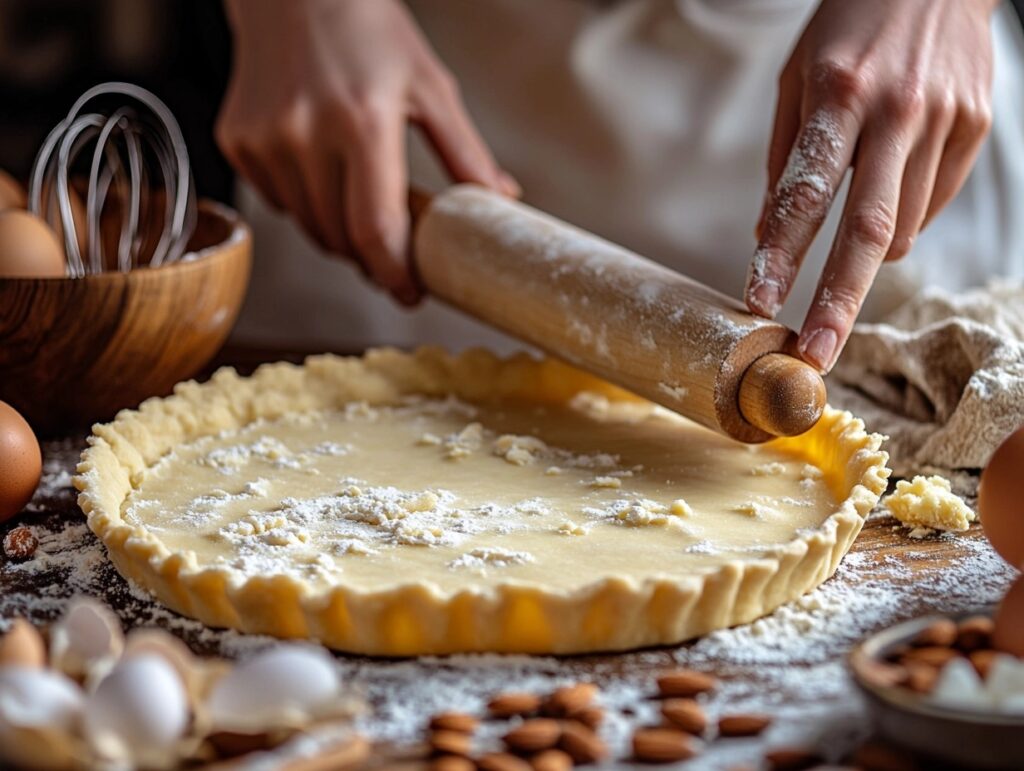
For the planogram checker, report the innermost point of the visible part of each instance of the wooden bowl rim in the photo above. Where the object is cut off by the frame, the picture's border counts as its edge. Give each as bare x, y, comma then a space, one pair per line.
239, 233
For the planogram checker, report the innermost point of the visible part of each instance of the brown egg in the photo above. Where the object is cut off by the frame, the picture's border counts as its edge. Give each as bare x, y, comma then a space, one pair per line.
51, 213
12, 194
22, 646
21, 463
28, 247
1008, 635
1001, 499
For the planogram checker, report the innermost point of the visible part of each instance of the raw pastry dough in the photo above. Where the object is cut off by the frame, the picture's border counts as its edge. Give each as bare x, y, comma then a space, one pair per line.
401, 504
929, 502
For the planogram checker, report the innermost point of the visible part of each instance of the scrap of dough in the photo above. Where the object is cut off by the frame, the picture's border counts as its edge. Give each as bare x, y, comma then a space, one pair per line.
928, 502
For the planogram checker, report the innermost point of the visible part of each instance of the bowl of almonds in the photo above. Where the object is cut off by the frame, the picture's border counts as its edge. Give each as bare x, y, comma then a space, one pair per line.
937, 686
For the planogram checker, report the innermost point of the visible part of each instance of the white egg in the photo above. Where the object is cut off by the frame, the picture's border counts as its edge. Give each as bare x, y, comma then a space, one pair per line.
137, 711
38, 697
285, 683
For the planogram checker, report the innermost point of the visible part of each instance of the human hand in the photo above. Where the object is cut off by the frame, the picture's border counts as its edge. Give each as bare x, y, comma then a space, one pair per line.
900, 92
315, 116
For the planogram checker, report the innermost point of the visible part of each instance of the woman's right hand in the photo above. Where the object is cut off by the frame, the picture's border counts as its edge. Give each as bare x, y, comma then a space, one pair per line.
315, 118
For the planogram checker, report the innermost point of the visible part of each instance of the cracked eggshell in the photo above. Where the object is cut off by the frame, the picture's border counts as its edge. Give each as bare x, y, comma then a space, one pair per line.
22, 646
138, 713
231, 744
40, 711
87, 641
287, 685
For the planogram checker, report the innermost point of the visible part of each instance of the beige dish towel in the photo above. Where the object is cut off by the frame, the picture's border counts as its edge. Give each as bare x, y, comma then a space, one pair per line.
943, 377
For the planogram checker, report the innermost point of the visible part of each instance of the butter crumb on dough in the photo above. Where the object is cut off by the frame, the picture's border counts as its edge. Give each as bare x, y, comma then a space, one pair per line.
606, 481
928, 502
571, 528
519, 450
642, 512
810, 475
752, 509
680, 508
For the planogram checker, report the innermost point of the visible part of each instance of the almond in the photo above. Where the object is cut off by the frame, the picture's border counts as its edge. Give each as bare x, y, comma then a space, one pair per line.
20, 543
512, 703
452, 763
591, 716
582, 744
921, 678
685, 683
974, 633
535, 735
982, 661
743, 725
450, 743
792, 759
932, 655
569, 699
551, 760
685, 714
941, 632
502, 761
454, 721
662, 745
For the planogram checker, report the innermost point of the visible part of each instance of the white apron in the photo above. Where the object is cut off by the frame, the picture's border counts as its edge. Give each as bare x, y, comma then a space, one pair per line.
646, 122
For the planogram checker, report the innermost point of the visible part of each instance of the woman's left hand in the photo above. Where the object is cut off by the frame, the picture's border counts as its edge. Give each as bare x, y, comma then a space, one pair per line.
900, 92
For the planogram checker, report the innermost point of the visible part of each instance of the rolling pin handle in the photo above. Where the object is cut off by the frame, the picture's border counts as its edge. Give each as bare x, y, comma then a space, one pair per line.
781, 395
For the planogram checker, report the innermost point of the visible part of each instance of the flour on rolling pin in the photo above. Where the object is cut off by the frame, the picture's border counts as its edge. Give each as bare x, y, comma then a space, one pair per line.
598, 305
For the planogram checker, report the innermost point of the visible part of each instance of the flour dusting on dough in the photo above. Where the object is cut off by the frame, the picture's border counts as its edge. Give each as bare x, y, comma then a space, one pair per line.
479, 559
368, 486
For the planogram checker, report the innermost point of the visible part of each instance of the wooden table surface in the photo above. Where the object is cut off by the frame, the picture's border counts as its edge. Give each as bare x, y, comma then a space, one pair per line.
890, 576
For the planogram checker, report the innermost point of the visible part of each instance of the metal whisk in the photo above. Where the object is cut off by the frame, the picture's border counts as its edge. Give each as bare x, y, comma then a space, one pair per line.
137, 153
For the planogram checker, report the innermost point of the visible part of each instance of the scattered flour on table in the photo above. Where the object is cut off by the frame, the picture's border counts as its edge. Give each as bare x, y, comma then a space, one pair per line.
789, 664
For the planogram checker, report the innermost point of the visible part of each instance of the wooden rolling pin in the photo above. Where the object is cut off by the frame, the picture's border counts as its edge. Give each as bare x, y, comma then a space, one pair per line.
614, 313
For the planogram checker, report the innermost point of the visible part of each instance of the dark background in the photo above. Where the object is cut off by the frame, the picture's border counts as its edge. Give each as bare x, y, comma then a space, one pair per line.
53, 50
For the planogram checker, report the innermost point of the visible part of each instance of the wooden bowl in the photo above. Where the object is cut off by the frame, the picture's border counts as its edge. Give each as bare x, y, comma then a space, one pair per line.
76, 350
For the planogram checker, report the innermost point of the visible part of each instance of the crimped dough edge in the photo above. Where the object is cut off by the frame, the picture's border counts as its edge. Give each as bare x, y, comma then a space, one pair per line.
614, 613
